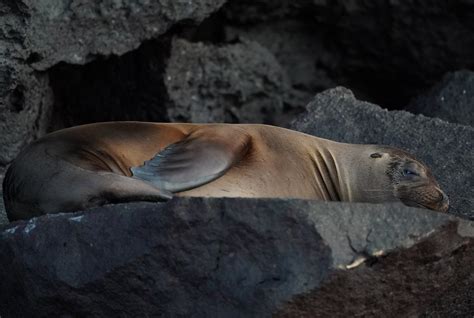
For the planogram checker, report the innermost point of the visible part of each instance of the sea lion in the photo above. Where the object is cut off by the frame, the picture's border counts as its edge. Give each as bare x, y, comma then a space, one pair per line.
90, 165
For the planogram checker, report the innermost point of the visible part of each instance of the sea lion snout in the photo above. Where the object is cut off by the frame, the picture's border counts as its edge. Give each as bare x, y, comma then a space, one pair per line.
442, 204
426, 196
413, 182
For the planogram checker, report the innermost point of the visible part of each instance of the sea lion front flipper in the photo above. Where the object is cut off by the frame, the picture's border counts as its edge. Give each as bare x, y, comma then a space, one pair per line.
200, 158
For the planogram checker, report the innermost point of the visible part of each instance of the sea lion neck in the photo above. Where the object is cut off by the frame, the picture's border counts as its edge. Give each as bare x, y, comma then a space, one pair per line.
328, 171
334, 170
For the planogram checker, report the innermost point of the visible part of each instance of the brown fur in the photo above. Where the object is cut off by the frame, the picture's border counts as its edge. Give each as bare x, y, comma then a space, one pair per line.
90, 165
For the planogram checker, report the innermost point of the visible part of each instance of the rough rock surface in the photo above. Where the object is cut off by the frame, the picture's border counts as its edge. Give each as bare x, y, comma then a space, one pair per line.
386, 51
215, 257
25, 107
233, 83
175, 81
445, 147
452, 99
36, 35
77, 31
413, 282
3, 214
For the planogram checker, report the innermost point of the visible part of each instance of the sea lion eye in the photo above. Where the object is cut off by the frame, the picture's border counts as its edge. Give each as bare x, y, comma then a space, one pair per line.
410, 173
376, 155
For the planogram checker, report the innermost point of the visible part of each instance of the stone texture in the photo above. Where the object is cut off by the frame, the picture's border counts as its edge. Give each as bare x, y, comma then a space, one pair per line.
3, 213
299, 50
413, 282
445, 147
199, 257
233, 83
386, 51
457, 301
452, 99
25, 108
175, 81
36, 35
77, 32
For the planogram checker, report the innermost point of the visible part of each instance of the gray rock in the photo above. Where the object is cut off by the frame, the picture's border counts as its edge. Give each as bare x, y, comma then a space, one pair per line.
426, 280
452, 99
445, 147
199, 257
233, 83
297, 47
175, 81
25, 107
36, 35
76, 32
386, 51
3, 213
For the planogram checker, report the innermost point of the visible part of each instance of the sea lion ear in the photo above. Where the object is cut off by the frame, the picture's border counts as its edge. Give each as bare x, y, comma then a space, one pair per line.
376, 155
200, 158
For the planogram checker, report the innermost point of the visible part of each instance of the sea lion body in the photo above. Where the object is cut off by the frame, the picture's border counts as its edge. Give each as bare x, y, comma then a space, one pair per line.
90, 165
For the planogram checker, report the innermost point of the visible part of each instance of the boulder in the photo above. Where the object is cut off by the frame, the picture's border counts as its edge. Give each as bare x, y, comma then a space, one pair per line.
452, 99
37, 35
199, 257
426, 280
79, 32
25, 107
386, 51
3, 213
446, 148
175, 80
239, 82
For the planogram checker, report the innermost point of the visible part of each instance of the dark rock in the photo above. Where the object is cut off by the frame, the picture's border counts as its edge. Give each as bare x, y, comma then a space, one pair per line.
297, 48
452, 99
405, 283
457, 301
25, 107
445, 147
385, 51
77, 32
233, 83
36, 35
182, 81
3, 213
212, 257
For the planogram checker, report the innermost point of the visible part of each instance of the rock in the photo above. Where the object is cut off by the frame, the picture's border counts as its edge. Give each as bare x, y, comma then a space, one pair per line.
3, 213
445, 147
405, 283
198, 257
25, 108
77, 32
36, 35
385, 51
232, 83
297, 48
175, 81
452, 99
455, 302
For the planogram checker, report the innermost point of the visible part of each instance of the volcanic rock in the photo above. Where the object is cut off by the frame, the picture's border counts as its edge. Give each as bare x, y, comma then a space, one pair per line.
232, 83
452, 99
198, 257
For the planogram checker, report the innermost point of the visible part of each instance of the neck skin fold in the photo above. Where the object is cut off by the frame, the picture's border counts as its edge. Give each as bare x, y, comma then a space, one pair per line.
337, 169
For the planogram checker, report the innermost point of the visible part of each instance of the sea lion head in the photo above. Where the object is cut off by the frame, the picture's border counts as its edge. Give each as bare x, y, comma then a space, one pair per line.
411, 180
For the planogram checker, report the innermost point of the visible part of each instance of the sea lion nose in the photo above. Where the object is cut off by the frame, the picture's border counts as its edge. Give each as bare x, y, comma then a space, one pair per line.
443, 201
